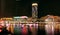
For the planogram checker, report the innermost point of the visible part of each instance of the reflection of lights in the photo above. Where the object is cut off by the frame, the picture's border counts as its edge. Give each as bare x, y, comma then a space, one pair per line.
2, 24
0, 30
22, 25
1, 21
7, 24
27, 24
30, 24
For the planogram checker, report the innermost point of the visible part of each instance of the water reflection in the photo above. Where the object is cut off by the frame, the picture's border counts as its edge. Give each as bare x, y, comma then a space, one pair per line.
30, 29
49, 29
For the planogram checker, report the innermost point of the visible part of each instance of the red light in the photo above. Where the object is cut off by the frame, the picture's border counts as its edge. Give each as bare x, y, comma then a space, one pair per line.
0, 26
0, 30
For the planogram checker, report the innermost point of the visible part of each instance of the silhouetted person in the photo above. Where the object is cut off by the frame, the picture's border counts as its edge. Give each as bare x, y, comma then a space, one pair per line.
29, 31
5, 31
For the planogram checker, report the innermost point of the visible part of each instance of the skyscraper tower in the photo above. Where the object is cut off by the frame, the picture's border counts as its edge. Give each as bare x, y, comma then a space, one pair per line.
34, 10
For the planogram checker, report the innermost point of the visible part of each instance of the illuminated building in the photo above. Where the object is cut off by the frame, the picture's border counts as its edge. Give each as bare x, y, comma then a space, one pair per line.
34, 10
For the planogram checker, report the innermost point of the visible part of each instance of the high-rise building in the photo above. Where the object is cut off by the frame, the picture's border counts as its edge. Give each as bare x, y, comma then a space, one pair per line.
35, 10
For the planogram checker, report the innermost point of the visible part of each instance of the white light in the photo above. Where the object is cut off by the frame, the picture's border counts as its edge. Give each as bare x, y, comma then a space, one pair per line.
16, 17
34, 4
6, 21
46, 20
7, 24
48, 15
23, 17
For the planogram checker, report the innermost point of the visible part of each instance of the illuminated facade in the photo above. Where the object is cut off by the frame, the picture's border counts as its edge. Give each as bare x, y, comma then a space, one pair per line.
34, 10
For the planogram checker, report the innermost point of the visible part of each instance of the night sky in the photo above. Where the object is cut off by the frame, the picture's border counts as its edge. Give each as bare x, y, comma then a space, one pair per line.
23, 7
49, 7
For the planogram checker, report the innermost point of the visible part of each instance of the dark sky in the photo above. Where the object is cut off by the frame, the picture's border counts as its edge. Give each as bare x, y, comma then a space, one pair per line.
23, 7
49, 7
